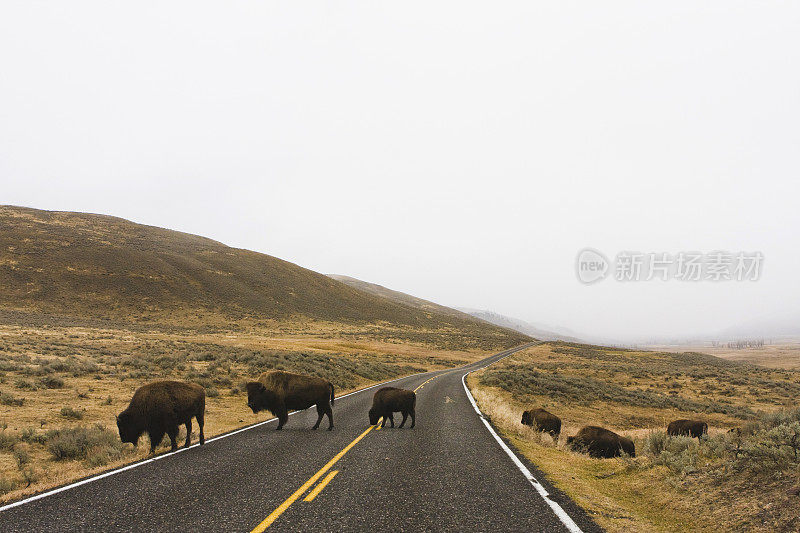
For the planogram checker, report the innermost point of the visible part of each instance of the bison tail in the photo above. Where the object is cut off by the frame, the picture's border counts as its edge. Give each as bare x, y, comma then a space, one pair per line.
331, 385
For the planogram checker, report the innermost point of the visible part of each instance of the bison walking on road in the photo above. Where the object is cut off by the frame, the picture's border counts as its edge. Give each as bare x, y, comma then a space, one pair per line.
691, 428
279, 392
389, 400
160, 407
600, 442
543, 421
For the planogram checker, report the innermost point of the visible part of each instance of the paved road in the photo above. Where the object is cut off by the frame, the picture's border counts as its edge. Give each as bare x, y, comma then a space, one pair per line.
447, 474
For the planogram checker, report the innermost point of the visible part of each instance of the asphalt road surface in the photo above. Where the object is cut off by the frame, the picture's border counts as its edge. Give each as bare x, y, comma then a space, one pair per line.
449, 473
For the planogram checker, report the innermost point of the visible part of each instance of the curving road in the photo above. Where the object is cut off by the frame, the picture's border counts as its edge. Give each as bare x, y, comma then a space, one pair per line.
449, 473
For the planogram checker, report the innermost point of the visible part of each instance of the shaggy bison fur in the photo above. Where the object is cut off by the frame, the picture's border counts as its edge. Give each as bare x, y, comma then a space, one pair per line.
691, 428
389, 400
279, 392
160, 407
543, 421
600, 442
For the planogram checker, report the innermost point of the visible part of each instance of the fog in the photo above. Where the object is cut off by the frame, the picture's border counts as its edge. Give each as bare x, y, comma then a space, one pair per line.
461, 152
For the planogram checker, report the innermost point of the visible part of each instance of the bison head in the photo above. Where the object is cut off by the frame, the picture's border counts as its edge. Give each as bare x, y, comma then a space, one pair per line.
527, 418
627, 446
128, 429
373, 417
259, 398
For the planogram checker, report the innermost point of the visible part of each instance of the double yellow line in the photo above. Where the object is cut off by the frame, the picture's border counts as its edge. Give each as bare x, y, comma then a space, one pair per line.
313, 479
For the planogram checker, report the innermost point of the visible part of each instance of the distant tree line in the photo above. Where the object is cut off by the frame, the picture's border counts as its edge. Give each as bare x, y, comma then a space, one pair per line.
741, 344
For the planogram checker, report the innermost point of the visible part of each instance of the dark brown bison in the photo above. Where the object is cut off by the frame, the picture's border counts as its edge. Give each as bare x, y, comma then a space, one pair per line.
601, 442
388, 400
160, 407
691, 428
543, 421
279, 392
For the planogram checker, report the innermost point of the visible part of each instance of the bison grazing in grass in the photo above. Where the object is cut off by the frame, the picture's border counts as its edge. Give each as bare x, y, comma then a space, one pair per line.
279, 392
543, 421
691, 428
600, 442
388, 400
161, 407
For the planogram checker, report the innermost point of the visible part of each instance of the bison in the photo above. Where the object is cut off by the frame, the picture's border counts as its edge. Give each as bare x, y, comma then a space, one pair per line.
691, 428
160, 407
388, 400
600, 442
278, 392
543, 421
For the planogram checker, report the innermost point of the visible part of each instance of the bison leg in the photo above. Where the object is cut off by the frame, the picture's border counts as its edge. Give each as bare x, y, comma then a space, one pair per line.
329, 413
405, 416
391, 418
200, 421
283, 417
155, 440
188, 432
173, 437
320, 414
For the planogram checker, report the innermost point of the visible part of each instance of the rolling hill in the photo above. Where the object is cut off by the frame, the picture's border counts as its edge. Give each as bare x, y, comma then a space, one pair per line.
400, 297
96, 266
534, 330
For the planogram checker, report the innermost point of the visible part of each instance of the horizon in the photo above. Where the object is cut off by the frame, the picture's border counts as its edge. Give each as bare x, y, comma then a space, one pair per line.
467, 165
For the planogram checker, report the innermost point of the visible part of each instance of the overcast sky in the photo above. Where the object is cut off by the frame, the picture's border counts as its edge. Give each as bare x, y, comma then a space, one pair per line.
461, 152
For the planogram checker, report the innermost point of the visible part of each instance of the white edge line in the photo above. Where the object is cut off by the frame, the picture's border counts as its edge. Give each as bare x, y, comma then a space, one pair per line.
172, 454
557, 509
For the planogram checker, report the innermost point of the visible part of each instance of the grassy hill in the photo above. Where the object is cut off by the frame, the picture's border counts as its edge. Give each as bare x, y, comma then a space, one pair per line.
401, 297
96, 266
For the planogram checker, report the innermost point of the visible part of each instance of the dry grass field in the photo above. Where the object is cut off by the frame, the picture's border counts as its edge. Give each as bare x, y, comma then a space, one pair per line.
729, 482
775, 355
61, 386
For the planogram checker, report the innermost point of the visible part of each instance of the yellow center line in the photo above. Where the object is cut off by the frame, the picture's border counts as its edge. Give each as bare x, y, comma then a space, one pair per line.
424, 382
313, 479
327, 479
299, 492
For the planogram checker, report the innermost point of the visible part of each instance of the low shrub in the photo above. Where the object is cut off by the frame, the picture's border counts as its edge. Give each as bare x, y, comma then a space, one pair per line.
6, 485
24, 384
8, 399
30, 436
69, 412
29, 476
7, 440
96, 445
22, 458
51, 382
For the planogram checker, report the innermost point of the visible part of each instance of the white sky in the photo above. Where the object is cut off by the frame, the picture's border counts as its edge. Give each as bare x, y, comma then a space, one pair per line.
462, 152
